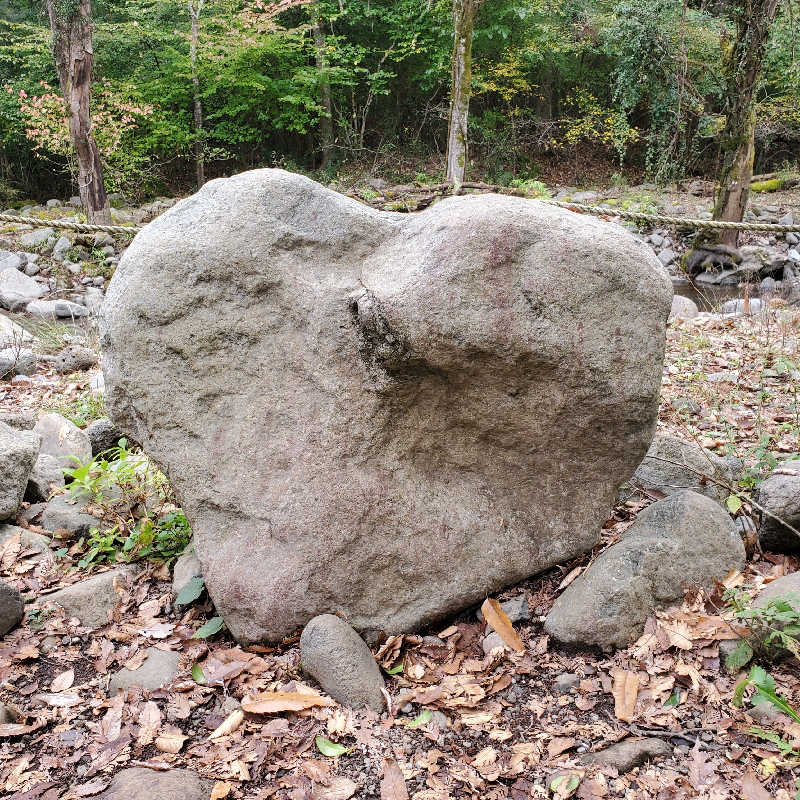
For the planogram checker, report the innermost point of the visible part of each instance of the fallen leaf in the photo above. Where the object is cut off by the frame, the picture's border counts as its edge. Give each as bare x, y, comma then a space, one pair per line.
393, 784
221, 790
752, 788
92, 787
338, 788
329, 748
60, 699
231, 723
501, 624
625, 691
170, 742
149, 723
276, 702
63, 681
559, 745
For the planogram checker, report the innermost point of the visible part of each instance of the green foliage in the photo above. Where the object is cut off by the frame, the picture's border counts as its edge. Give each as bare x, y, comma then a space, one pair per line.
763, 462
773, 629
214, 625
329, 748
85, 408
766, 692
191, 591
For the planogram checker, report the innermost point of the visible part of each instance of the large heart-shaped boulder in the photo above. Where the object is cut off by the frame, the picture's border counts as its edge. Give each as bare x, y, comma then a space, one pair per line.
382, 415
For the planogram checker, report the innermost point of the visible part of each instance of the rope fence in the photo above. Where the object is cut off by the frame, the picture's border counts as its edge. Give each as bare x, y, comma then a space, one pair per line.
443, 190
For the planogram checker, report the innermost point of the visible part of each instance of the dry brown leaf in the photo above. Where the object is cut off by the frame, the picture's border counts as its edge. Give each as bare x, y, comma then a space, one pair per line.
63, 681
559, 745
170, 742
752, 788
338, 788
15, 729
501, 624
393, 784
221, 790
149, 723
625, 690
276, 702
230, 724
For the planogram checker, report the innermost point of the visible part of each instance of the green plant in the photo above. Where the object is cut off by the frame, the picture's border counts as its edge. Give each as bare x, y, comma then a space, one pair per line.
84, 409
764, 684
773, 629
764, 461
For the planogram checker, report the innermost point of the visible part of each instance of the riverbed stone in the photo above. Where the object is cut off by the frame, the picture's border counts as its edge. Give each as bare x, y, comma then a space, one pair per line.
402, 393
68, 517
779, 494
683, 308
674, 464
157, 670
91, 600
63, 439
140, 782
340, 661
45, 478
12, 608
682, 541
11, 334
187, 566
18, 453
17, 289
624, 756
40, 237
103, 434
29, 540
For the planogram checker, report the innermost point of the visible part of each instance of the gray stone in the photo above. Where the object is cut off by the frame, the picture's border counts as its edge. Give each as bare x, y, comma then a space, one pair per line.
135, 783
684, 540
10, 260
793, 238
17, 289
32, 268
73, 358
672, 464
16, 361
62, 309
46, 477
19, 420
779, 494
682, 308
686, 405
103, 435
186, 567
75, 202
787, 587
656, 239
28, 539
12, 609
102, 239
491, 641
91, 600
157, 670
786, 219
41, 237
93, 299
340, 661
666, 257
54, 203
516, 609
739, 307
63, 439
626, 755
61, 515
396, 396
567, 681
60, 248
18, 453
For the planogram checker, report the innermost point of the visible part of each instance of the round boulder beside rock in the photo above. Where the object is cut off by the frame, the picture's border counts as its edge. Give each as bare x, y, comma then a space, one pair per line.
340, 661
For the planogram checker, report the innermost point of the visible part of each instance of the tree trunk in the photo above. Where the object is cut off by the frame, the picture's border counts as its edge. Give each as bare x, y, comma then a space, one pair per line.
195, 7
743, 65
71, 25
463, 19
326, 120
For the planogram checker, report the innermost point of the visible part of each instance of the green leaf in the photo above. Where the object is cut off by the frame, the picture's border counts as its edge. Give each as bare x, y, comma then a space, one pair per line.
329, 748
395, 670
214, 625
191, 591
674, 699
734, 503
197, 674
740, 656
423, 718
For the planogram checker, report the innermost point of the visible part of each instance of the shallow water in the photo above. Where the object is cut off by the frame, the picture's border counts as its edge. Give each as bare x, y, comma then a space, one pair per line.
708, 297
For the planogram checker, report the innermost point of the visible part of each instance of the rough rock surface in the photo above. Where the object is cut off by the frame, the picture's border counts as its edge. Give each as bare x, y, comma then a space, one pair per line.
17, 289
61, 515
158, 669
12, 609
186, 567
91, 599
683, 308
18, 453
140, 782
340, 661
44, 478
28, 539
103, 435
63, 439
780, 495
684, 540
673, 464
631, 753
424, 407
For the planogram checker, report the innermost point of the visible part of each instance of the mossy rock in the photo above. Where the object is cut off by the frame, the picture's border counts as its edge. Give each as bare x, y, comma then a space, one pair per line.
767, 186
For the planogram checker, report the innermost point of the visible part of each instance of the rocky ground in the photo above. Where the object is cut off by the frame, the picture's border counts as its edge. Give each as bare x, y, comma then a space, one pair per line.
110, 686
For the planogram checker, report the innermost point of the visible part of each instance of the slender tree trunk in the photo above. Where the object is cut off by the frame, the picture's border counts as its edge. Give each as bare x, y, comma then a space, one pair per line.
195, 7
326, 120
463, 19
743, 65
71, 25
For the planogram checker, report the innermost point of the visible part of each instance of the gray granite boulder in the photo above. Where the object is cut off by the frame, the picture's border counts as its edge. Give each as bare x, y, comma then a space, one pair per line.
45, 478
63, 439
103, 434
17, 289
157, 670
18, 453
140, 782
424, 407
12, 608
340, 661
64, 514
779, 494
682, 541
91, 600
